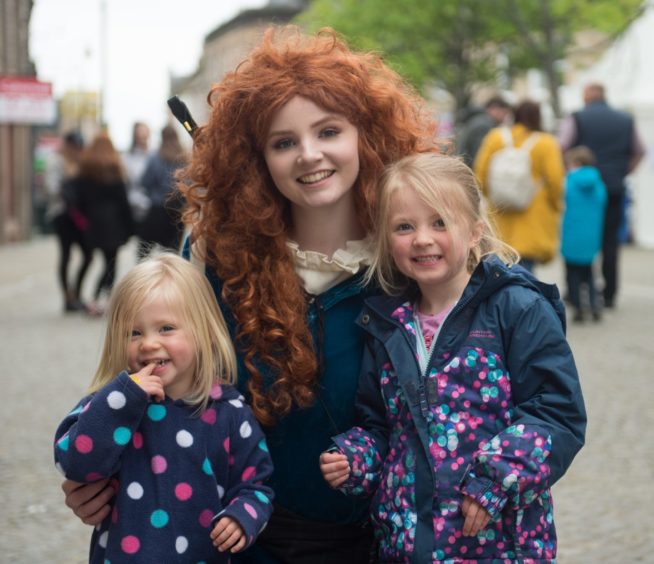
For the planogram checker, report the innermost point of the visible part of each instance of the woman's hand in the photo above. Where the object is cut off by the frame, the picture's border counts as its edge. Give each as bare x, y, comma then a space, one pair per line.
90, 502
335, 468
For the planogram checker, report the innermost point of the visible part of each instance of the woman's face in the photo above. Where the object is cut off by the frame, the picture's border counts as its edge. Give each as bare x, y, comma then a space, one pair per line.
312, 155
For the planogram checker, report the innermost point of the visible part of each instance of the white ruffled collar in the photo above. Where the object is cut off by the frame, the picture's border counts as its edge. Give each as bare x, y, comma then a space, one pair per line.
320, 272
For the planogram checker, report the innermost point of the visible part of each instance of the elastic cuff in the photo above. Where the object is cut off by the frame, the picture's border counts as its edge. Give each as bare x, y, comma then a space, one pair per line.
485, 492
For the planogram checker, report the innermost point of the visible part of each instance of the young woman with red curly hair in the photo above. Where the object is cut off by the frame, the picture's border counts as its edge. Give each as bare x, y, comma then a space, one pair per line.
281, 190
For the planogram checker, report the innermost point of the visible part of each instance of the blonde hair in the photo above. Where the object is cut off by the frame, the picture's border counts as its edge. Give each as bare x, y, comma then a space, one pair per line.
185, 289
448, 186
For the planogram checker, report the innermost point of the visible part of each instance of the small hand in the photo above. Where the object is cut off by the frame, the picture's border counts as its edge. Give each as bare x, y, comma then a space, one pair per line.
150, 383
90, 502
228, 535
335, 468
476, 517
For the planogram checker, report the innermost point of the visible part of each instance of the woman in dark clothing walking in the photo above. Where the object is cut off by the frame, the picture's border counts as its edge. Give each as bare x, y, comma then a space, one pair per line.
67, 226
101, 194
162, 224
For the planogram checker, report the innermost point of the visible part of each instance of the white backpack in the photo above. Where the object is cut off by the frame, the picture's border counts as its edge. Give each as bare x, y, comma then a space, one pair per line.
511, 187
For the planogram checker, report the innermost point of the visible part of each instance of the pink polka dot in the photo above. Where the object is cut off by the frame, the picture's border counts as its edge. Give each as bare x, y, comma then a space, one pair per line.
137, 439
209, 416
183, 491
159, 464
205, 518
248, 473
94, 477
216, 392
86, 407
130, 544
251, 510
226, 444
84, 444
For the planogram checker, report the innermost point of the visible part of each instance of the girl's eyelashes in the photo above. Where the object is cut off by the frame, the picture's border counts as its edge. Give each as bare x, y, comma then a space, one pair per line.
402, 227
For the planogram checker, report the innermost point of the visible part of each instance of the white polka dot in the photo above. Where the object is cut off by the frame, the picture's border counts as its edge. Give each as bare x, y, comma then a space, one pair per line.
116, 400
181, 544
184, 439
245, 430
236, 403
135, 490
102, 539
60, 468
221, 491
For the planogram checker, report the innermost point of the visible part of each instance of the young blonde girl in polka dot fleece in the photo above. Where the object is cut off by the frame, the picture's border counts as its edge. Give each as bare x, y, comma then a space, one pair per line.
186, 455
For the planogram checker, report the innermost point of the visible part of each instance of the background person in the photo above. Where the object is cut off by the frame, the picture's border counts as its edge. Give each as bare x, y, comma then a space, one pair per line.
134, 163
614, 140
101, 193
162, 224
281, 188
581, 232
534, 231
476, 124
69, 228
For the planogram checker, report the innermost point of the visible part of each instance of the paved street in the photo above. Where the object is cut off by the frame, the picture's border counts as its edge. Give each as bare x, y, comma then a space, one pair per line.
603, 506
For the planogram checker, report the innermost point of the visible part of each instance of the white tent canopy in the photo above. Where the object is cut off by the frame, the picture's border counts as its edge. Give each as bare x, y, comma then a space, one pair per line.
627, 72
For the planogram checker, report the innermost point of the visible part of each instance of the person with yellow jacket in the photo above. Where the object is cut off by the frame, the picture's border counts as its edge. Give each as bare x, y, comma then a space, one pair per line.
533, 231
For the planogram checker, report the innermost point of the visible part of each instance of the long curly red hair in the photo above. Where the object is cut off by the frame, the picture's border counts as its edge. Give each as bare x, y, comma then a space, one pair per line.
235, 209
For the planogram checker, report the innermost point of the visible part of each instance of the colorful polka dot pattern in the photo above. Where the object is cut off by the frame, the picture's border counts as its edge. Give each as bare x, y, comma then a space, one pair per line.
471, 446
175, 471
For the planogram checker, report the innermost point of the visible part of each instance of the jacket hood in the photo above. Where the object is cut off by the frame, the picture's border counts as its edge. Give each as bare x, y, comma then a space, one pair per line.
489, 277
225, 392
585, 177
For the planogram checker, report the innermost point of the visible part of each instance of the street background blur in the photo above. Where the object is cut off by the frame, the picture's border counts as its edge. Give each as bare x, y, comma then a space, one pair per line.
602, 505
457, 53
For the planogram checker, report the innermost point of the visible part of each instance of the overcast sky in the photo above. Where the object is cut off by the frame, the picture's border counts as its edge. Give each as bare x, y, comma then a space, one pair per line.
146, 41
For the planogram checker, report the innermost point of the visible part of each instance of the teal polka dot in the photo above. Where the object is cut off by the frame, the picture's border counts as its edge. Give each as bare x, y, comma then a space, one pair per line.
263, 446
206, 467
261, 497
159, 518
156, 412
122, 435
63, 443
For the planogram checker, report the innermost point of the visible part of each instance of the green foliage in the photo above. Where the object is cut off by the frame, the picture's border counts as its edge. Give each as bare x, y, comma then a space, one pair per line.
455, 43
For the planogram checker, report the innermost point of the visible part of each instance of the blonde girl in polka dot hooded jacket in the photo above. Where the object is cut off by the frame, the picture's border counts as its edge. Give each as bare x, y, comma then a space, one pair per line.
180, 466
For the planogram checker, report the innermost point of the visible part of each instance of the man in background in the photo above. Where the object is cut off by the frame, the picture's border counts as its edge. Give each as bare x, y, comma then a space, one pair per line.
476, 123
612, 137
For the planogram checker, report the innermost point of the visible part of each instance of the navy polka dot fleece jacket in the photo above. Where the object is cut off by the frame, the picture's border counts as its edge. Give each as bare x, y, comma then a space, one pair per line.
175, 472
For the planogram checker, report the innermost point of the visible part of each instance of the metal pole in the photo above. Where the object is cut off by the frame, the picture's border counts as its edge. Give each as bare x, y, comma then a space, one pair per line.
103, 62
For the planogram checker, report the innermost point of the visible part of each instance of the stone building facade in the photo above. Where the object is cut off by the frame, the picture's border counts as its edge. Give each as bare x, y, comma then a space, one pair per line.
16, 140
224, 48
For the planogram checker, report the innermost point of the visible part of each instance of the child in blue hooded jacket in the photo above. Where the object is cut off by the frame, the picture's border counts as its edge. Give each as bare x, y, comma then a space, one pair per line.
469, 403
583, 225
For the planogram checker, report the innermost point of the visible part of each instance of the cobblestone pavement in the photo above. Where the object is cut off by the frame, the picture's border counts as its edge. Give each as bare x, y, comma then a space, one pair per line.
602, 505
